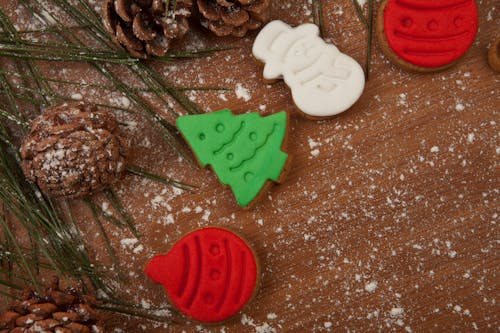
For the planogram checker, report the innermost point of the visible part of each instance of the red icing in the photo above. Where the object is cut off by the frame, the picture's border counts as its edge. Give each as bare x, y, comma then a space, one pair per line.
430, 33
209, 275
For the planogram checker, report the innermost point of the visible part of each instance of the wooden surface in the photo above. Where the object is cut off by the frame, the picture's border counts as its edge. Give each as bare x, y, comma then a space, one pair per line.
388, 218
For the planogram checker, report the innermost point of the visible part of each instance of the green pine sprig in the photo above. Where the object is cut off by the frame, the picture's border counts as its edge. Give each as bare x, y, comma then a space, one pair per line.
55, 243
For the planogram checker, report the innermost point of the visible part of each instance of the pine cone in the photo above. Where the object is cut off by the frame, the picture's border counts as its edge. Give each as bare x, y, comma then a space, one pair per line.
145, 27
233, 17
73, 150
58, 311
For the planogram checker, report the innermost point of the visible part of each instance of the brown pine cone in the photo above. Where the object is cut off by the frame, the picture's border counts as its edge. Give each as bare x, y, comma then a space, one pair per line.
146, 27
73, 150
233, 17
73, 313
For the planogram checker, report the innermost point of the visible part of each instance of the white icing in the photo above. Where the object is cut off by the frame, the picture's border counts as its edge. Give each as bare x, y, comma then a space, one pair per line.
324, 81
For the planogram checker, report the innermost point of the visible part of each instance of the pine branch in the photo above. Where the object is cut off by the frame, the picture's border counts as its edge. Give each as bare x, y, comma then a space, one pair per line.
42, 222
54, 241
168, 137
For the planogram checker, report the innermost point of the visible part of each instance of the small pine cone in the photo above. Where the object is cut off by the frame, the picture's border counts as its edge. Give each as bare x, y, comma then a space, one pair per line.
44, 314
73, 150
146, 27
233, 17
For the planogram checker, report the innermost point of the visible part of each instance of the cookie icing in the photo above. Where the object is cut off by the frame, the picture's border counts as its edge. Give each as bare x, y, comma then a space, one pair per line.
430, 33
243, 150
324, 81
209, 275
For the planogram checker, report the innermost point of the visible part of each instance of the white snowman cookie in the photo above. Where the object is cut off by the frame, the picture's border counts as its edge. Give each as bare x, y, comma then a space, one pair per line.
324, 81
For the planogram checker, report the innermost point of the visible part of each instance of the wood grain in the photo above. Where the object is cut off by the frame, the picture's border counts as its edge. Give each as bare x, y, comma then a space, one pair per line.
387, 221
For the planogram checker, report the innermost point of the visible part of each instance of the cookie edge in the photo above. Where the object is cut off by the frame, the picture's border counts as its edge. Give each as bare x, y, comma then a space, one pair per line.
494, 56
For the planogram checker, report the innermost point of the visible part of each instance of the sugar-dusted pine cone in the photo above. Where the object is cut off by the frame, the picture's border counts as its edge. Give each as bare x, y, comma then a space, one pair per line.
146, 27
233, 17
58, 311
73, 150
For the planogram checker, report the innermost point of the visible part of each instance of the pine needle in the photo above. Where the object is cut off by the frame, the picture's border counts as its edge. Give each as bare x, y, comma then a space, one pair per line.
168, 181
370, 37
10, 284
21, 257
107, 216
194, 54
318, 18
368, 23
9, 116
138, 314
107, 87
107, 242
8, 295
360, 13
118, 207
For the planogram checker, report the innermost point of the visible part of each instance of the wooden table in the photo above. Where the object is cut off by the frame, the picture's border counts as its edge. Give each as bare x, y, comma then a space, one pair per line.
388, 218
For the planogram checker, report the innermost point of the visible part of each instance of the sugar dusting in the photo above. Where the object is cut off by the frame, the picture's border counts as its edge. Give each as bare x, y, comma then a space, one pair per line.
381, 204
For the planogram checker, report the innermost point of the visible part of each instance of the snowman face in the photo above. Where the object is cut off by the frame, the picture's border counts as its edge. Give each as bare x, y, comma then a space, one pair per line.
303, 53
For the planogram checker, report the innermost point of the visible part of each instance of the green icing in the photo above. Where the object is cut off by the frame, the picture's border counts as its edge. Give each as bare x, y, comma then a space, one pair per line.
243, 150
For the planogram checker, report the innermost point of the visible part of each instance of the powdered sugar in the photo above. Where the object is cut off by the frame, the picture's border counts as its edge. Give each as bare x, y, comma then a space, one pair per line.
242, 92
387, 214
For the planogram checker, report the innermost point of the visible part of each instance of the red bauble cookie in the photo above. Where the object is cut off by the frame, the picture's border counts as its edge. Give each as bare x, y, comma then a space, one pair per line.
209, 275
430, 34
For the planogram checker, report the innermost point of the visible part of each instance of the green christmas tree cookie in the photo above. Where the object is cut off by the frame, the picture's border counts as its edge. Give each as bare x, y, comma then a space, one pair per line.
243, 150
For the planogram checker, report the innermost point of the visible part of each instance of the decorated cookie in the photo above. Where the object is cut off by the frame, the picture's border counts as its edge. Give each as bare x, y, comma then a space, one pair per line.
324, 81
243, 150
494, 55
209, 275
426, 35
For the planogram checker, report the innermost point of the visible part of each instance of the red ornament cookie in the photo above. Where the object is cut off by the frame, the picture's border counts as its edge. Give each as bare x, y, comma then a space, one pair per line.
209, 275
426, 35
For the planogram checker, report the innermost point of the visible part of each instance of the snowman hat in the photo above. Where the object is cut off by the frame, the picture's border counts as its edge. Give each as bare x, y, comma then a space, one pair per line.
274, 41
